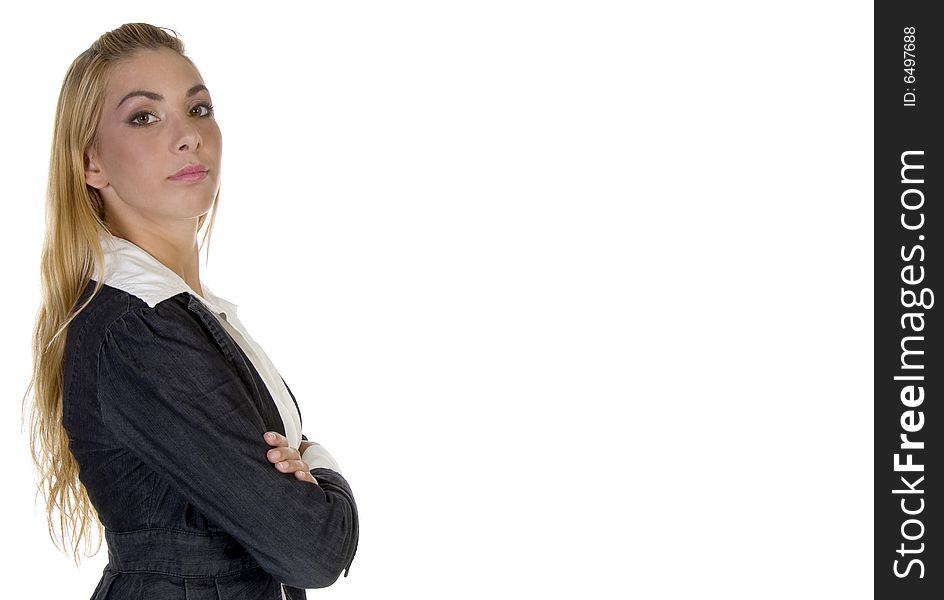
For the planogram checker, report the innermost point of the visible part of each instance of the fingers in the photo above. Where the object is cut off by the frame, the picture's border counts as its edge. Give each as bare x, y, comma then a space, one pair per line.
306, 476
287, 466
287, 459
274, 438
302, 472
282, 451
280, 454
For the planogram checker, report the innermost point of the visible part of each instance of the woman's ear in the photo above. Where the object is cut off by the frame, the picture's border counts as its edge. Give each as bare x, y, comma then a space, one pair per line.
93, 173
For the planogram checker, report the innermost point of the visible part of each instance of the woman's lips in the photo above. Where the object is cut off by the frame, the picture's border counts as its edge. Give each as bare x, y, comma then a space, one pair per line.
191, 176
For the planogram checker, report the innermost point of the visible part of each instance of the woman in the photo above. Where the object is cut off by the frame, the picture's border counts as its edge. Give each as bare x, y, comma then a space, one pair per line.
151, 399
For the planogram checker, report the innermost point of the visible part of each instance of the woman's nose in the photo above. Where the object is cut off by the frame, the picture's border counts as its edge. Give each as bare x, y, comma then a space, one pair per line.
188, 138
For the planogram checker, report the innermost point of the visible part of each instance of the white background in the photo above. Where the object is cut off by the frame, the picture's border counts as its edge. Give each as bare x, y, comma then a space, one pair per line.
579, 294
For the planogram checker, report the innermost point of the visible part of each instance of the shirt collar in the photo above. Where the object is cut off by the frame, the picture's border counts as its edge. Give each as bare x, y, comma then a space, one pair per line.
130, 268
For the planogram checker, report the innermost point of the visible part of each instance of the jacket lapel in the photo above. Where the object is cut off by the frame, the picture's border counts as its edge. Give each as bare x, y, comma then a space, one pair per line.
263, 401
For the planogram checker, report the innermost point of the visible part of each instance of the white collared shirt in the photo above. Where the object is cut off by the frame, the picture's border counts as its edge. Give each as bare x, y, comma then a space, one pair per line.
132, 269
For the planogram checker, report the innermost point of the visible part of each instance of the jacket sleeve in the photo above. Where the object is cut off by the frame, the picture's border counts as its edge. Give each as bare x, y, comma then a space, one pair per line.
172, 398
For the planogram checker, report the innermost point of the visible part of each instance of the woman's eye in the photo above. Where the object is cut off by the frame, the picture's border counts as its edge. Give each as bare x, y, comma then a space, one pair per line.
208, 107
135, 119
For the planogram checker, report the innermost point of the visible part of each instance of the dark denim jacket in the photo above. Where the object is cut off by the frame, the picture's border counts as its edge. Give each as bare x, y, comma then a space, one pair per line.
165, 416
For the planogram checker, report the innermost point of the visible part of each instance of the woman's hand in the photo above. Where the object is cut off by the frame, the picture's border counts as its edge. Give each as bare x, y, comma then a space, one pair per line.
286, 458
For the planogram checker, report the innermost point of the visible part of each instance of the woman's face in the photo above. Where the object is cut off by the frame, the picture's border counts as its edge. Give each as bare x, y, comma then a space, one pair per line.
144, 141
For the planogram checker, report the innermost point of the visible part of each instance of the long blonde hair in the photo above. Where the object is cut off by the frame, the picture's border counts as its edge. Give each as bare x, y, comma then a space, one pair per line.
74, 219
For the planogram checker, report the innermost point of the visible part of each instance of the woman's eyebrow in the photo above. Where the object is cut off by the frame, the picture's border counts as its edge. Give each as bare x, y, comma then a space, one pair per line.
156, 96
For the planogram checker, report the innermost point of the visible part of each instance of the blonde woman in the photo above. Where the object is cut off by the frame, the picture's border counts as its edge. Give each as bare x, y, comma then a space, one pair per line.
152, 403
